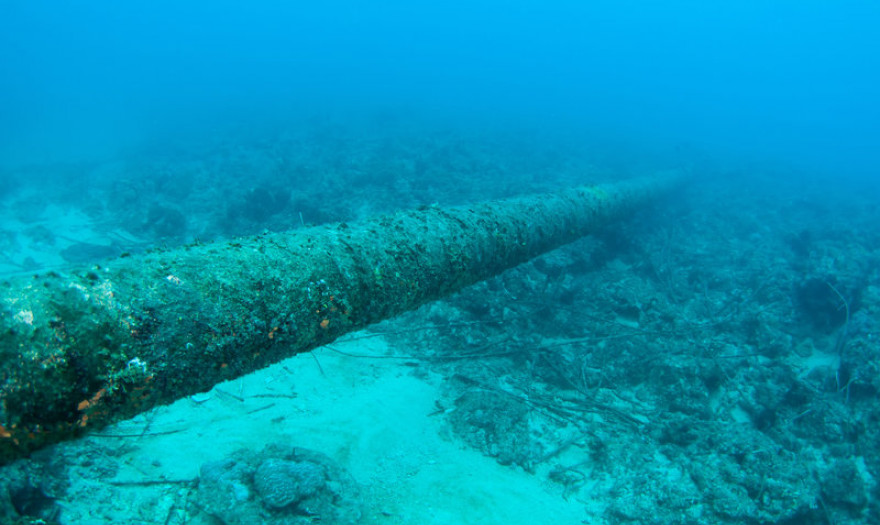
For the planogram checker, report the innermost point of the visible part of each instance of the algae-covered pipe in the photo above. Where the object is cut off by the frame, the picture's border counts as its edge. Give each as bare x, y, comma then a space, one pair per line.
82, 349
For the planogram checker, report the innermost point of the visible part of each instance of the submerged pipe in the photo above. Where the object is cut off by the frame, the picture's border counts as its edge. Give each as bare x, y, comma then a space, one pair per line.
80, 350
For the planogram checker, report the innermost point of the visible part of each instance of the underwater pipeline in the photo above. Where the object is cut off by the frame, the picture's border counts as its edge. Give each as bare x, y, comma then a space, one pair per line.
82, 349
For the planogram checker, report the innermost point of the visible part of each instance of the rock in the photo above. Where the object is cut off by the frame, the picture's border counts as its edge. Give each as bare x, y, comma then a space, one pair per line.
279, 485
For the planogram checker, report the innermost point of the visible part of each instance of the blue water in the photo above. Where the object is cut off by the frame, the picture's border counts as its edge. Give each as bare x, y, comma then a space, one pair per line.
790, 81
711, 358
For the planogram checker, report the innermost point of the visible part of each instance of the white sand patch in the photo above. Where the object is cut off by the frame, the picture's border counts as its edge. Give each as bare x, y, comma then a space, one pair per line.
371, 415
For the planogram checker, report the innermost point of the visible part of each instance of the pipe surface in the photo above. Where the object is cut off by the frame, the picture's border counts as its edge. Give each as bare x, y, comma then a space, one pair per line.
82, 349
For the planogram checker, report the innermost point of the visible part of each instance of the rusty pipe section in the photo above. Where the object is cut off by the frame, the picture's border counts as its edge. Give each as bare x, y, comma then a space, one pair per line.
82, 349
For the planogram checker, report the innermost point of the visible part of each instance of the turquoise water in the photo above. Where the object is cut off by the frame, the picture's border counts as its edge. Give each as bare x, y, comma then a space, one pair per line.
711, 357
788, 80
